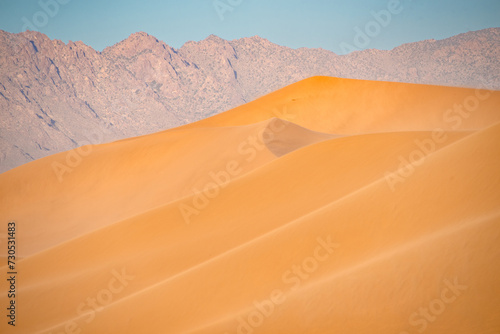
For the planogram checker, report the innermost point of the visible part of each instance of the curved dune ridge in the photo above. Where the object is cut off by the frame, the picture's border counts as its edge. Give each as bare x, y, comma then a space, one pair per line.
329, 206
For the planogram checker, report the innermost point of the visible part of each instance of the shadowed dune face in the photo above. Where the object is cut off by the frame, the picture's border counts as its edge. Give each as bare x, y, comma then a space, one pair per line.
329, 206
282, 137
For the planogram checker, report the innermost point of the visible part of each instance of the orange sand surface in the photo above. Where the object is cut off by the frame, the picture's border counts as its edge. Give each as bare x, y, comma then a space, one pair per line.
329, 206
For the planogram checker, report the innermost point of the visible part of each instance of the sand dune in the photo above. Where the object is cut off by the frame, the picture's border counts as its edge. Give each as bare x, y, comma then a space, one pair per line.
331, 205
347, 106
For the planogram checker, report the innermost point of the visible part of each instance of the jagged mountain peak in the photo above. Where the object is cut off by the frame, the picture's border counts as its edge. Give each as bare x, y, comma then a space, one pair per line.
136, 43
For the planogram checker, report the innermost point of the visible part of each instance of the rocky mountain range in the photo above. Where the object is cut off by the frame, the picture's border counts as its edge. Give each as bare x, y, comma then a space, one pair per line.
56, 96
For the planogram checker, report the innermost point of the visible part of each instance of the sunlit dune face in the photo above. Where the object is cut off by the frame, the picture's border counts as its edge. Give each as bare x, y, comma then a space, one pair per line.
329, 206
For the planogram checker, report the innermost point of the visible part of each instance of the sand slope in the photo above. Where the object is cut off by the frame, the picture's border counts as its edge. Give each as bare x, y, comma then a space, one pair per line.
360, 207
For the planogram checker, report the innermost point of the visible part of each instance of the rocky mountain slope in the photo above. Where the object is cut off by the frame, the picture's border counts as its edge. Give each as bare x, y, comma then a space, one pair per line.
56, 96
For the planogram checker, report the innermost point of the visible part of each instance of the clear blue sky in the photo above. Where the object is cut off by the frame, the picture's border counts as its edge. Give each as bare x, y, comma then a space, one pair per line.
293, 23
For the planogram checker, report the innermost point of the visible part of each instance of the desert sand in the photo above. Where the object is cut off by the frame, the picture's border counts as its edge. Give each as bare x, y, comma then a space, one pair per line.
329, 206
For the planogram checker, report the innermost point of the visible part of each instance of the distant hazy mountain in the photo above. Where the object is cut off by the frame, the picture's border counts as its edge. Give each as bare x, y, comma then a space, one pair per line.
56, 96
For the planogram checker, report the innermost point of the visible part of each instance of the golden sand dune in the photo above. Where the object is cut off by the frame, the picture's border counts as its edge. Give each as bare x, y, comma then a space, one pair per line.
165, 166
329, 206
347, 106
